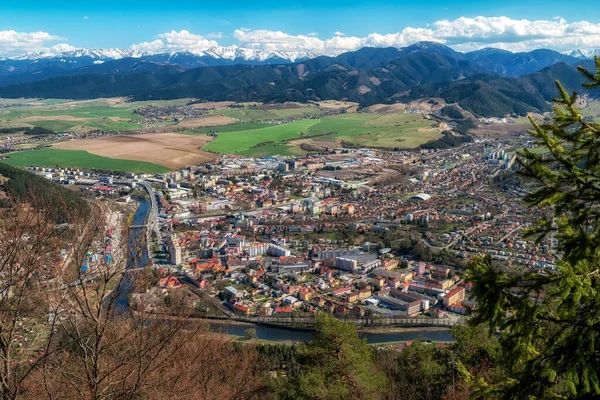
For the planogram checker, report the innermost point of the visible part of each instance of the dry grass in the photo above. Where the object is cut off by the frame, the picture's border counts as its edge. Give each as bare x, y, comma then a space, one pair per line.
169, 149
214, 120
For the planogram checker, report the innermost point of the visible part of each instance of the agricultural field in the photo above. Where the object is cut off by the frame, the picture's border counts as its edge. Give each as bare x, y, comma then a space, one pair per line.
239, 141
170, 150
76, 116
379, 130
228, 128
268, 112
356, 129
250, 129
50, 157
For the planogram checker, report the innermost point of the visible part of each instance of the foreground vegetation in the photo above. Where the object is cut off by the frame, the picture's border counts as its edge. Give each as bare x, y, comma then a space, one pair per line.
550, 323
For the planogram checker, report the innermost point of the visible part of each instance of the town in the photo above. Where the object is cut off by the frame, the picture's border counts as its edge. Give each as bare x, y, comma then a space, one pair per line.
369, 236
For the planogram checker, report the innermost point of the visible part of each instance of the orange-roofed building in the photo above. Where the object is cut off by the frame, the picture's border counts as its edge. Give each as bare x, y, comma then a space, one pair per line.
455, 296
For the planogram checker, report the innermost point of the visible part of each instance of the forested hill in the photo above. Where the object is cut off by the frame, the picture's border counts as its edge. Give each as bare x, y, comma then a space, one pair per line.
366, 76
61, 204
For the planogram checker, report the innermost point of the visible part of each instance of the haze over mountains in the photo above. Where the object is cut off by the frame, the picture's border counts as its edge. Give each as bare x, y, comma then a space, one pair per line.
487, 82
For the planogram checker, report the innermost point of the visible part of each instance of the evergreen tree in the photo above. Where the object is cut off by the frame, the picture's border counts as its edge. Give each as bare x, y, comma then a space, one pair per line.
337, 364
550, 321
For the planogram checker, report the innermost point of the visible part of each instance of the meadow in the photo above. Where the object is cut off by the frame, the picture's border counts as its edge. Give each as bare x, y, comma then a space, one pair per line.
79, 159
76, 116
228, 128
378, 130
356, 129
238, 141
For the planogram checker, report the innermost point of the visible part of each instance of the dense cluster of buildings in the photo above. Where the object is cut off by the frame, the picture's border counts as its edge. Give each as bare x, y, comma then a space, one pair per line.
282, 236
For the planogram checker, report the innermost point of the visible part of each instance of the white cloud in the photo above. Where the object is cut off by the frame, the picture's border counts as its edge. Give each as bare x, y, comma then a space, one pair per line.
176, 41
61, 48
85, 17
13, 42
462, 34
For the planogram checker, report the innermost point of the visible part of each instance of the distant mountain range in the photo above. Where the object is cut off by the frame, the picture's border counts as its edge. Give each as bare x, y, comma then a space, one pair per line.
583, 54
31, 67
488, 82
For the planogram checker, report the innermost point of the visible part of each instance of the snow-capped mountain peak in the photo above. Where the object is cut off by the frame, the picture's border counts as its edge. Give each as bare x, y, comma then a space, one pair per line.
97, 54
583, 54
231, 53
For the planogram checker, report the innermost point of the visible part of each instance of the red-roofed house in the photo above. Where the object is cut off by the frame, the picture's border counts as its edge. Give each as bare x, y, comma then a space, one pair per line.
455, 296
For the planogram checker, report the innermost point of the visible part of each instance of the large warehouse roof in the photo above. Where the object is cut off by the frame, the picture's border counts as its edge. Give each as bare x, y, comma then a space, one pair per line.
420, 197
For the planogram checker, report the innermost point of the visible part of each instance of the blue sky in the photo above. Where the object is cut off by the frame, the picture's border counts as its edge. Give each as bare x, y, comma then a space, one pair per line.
114, 23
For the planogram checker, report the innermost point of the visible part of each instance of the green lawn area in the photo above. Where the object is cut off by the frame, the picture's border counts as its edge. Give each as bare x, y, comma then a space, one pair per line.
79, 159
359, 129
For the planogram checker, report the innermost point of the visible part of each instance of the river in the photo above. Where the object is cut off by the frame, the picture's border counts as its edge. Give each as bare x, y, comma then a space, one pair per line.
138, 258
137, 253
284, 335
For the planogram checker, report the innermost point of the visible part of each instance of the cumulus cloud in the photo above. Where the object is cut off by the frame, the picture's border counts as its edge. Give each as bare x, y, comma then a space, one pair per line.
176, 41
462, 34
61, 48
13, 42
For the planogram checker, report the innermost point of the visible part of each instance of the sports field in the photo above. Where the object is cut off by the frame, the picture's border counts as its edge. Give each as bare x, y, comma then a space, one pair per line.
79, 159
357, 129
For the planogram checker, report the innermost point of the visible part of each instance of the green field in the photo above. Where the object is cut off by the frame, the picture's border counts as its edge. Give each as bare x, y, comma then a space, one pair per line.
378, 130
273, 150
227, 128
359, 129
238, 141
79, 159
78, 116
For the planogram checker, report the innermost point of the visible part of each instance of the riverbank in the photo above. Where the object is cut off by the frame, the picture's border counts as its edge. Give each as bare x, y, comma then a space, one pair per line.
392, 329
283, 335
